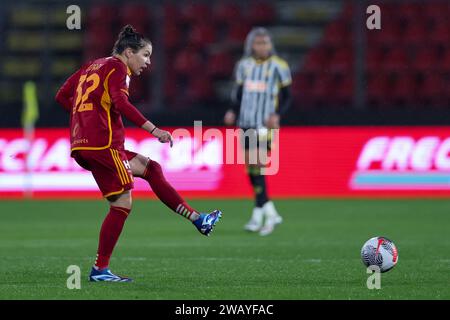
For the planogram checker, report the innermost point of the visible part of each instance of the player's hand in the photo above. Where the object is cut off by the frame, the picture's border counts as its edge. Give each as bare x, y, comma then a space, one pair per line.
230, 118
273, 122
163, 136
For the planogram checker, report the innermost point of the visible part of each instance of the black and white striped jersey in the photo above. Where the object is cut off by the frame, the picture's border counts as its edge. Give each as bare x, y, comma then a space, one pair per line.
261, 81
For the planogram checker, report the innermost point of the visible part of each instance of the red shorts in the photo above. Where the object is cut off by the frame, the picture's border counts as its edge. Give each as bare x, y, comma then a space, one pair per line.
110, 168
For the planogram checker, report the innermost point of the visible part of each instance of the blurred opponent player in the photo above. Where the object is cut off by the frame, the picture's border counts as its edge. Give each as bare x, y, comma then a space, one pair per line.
97, 97
261, 94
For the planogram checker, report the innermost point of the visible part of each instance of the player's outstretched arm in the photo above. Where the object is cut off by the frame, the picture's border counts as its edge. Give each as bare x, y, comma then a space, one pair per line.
273, 122
64, 96
285, 100
134, 115
230, 118
162, 135
236, 97
117, 90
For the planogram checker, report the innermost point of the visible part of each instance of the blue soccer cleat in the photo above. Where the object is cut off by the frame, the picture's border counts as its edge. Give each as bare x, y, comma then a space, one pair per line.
206, 222
106, 275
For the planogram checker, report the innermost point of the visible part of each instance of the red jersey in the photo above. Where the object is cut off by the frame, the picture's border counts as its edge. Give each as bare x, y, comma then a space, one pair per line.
96, 96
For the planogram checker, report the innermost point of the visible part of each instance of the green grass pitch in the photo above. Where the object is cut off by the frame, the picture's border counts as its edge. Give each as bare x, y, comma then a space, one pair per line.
314, 254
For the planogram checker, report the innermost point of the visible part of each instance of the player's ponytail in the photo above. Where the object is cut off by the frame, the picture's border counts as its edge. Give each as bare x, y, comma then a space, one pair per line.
129, 38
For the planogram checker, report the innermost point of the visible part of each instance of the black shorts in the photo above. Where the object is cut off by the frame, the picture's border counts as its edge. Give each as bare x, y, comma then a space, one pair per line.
255, 138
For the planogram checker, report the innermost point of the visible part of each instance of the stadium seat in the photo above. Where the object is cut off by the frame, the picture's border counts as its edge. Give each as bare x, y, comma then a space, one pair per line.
61, 41
102, 14
425, 59
227, 13
194, 13
24, 41
171, 14
440, 32
201, 35
20, 68
301, 89
316, 60
432, 90
137, 14
24, 17
337, 33
200, 90
342, 60
139, 89
415, 33
237, 32
347, 11
447, 91
445, 62
61, 67
188, 62
220, 65
170, 85
409, 12
260, 13
388, 36
374, 59
396, 60
171, 35
10, 93
436, 11
343, 89
377, 89
403, 89
322, 89
98, 42
57, 16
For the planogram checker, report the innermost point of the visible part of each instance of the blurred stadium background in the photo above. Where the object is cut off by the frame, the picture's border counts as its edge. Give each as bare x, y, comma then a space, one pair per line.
402, 69
370, 117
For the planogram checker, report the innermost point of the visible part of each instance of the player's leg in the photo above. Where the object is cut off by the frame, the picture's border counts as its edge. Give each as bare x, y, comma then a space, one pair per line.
249, 139
151, 171
271, 216
119, 209
256, 159
115, 181
259, 189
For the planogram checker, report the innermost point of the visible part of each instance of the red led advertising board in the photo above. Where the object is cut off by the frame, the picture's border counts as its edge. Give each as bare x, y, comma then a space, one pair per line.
309, 162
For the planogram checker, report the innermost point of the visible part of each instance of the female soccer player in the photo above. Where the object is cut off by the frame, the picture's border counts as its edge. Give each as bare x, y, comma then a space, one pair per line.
97, 97
261, 94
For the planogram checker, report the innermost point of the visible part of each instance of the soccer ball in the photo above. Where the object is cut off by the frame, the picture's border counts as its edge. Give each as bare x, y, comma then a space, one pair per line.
381, 252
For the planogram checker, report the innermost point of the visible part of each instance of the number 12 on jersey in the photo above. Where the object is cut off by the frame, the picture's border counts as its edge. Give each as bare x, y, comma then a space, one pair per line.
81, 103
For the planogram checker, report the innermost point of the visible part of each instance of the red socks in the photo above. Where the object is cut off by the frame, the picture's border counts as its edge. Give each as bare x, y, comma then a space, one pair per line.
114, 221
109, 234
165, 192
